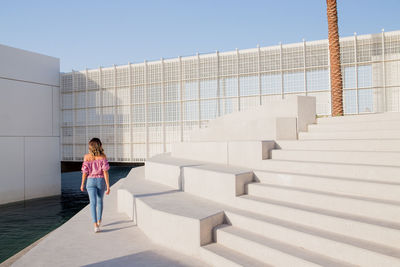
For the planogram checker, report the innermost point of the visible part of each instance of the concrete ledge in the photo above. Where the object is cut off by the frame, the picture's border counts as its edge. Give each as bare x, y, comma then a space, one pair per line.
221, 256
165, 214
237, 153
217, 182
264, 249
277, 120
351, 135
216, 152
342, 145
360, 118
375, 173
355, 157
362, 188
285, 128
166, 170
362, 206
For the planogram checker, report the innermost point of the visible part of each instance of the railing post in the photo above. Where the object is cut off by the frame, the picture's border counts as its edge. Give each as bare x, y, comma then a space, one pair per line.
356, 72
101, 103
198, 88
305, 67
73, 116
281, 67
146, 109
86, 106
385, 108
115, 112
259, 72
130, 111
238, 77
163, 106
181, 96
218, 87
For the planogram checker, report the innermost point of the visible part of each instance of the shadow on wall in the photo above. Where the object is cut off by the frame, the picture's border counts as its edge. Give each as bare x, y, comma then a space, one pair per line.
145, 258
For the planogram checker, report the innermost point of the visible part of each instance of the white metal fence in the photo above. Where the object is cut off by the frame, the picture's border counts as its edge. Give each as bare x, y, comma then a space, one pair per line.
138, 110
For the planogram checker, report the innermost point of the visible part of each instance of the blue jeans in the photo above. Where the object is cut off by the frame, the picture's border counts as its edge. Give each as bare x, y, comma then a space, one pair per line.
96, 188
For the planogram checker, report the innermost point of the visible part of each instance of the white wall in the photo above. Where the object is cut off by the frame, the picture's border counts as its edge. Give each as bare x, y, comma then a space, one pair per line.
29, 125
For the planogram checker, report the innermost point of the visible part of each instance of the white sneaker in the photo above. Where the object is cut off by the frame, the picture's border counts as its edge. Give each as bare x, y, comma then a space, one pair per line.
96, 229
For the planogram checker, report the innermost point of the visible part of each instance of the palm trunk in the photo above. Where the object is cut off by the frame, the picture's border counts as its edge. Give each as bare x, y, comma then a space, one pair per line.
334, 56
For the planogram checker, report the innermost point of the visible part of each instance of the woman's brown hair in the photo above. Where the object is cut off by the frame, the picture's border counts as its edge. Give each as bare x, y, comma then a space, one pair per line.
95, 147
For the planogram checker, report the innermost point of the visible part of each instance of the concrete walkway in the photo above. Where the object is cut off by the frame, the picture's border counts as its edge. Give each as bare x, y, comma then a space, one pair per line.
120, 243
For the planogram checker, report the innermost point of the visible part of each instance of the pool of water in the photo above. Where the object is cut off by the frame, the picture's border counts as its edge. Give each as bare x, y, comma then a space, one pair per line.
24, 222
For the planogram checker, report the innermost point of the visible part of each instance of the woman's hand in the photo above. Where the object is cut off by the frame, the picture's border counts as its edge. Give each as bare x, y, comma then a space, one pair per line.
82, 188
108, 191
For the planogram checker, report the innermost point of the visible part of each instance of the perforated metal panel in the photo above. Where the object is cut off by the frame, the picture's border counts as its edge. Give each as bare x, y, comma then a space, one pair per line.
138, 110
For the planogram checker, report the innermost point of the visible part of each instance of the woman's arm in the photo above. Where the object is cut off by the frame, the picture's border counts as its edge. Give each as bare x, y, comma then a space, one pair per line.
84, 175
107, 182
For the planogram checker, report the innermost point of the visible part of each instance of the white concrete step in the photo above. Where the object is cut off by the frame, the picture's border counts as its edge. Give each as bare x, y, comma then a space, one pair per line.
268, 250
220, 256
389, 145
367, 229
232, 152
352, 171
268, 128
216, 182
355, 126
165, 214
360, 206
373, 134
337, 246
166, 170
360, 118
354, 157
362, 188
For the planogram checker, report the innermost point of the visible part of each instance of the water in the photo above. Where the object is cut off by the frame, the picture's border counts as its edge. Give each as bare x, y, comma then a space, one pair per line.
24, 222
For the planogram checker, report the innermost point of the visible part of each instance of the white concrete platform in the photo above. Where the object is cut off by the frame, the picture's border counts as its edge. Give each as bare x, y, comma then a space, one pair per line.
217, 182
238, 153
355, 157
355, 187
281, 119
362, 206
269, 250
189, 219
388, 145
364, 172
120, 243
352, 135
355, 126
167, 171
221, 256
361, 118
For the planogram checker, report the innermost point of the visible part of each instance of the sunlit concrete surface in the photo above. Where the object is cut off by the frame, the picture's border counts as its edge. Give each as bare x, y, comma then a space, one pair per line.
330, 198
120, 243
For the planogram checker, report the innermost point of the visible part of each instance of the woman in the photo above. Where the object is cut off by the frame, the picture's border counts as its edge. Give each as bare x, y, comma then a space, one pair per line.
95, 167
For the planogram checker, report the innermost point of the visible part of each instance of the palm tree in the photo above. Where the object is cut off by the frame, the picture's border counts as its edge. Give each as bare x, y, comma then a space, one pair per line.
334, 56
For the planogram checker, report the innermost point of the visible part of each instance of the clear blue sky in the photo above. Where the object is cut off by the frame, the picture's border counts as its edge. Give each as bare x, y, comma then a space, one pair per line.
89, 34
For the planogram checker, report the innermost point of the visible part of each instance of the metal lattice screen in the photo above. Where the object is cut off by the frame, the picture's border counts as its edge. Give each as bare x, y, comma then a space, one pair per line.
138, 110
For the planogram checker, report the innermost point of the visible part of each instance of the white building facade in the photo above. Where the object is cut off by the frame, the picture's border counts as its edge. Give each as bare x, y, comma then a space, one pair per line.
29, 125
138, 110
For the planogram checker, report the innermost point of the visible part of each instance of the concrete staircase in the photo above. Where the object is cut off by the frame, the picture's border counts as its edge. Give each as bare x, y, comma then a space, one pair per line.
330, 198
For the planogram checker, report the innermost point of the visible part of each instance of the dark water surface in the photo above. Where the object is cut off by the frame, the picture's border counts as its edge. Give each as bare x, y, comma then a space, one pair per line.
24, 222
